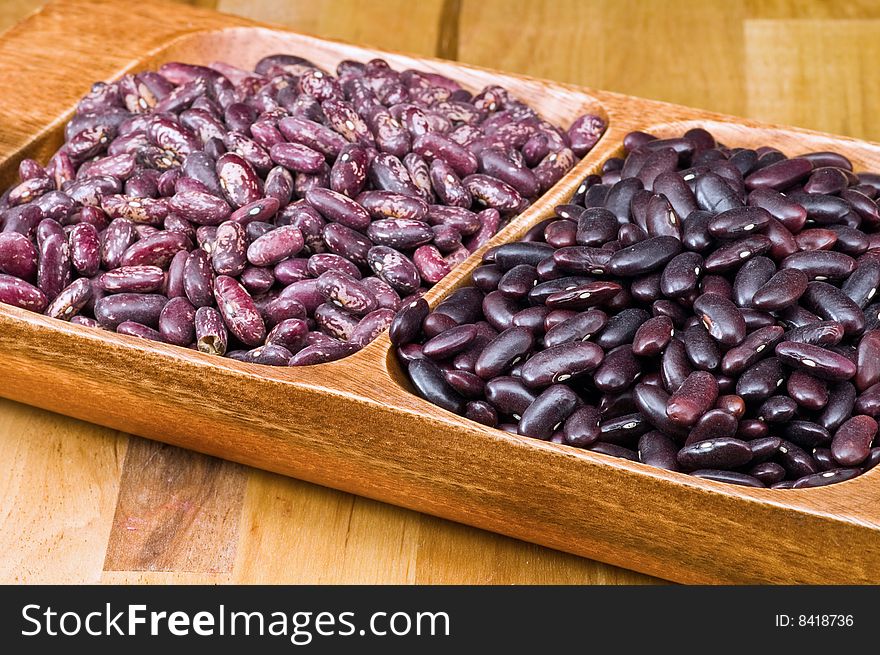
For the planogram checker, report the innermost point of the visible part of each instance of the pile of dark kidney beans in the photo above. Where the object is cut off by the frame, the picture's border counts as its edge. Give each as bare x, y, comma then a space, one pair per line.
278, 216
697, 307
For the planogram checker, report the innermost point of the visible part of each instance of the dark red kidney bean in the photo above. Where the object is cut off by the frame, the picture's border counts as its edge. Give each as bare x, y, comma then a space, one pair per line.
702, 350
782, 290
583, 296
805, 434
177, 322
760, 381
596, 226
543, 290
618, 370
394, 268
509, 396
715, 423
582, 259
581, 428
450, 342
579, 327
721, 318
786, 211
504, 351
486, 277
518, 281
732, 404
815, 360
777, 409
850, 240
561, 234
466, 383
780, 175
728, 477
660, 161
868, 402
673, 310
614, 450
816, 239
429, 383
822, 209
722, 453
621, 328
738, 222
619, 197
714, 194
823, 158
756, 319
653, 336
623, 430
645, 256
559, 363
841, 399
851, 444
832, 304
821, 265
557, 317
868, 364
646, 289
695, 231
481, 412
661, 219
750, 350
681, 275
674, 366
768, 472
863, 205
462, 305
735, 253
548, 412
756, 272
657, 449
85, 250
695, 396
819, 333
141, 308
18, 256
796, 461
239, 311
750, 429
825, 478
651, 402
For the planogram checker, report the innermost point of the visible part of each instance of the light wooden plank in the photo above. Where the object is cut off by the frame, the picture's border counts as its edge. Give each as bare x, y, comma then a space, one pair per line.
820, 74
674, 50
57, 495
450, 553
294, 532
163, 578
177, 511
394, 24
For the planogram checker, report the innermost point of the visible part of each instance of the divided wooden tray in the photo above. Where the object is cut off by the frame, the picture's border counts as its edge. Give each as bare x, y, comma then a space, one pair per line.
353, 424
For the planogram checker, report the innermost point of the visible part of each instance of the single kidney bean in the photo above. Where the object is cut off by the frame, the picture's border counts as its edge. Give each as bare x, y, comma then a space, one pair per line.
815, 360
548, 411
560, 363
177, 322
695, 396
134, 329
851, 444
155, 250
118, 308
70, 300
18, 256
238, 311
133, 279
85, 249
722, 453
715, 423
211, 334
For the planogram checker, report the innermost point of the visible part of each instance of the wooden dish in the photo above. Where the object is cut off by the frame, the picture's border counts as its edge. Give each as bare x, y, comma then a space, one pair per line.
353, 424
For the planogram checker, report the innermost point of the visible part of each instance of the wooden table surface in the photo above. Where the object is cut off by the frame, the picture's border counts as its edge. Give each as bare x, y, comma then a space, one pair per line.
85, 504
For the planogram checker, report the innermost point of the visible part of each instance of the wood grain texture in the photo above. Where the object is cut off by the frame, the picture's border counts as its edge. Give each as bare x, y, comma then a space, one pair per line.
299, 532
177, 511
